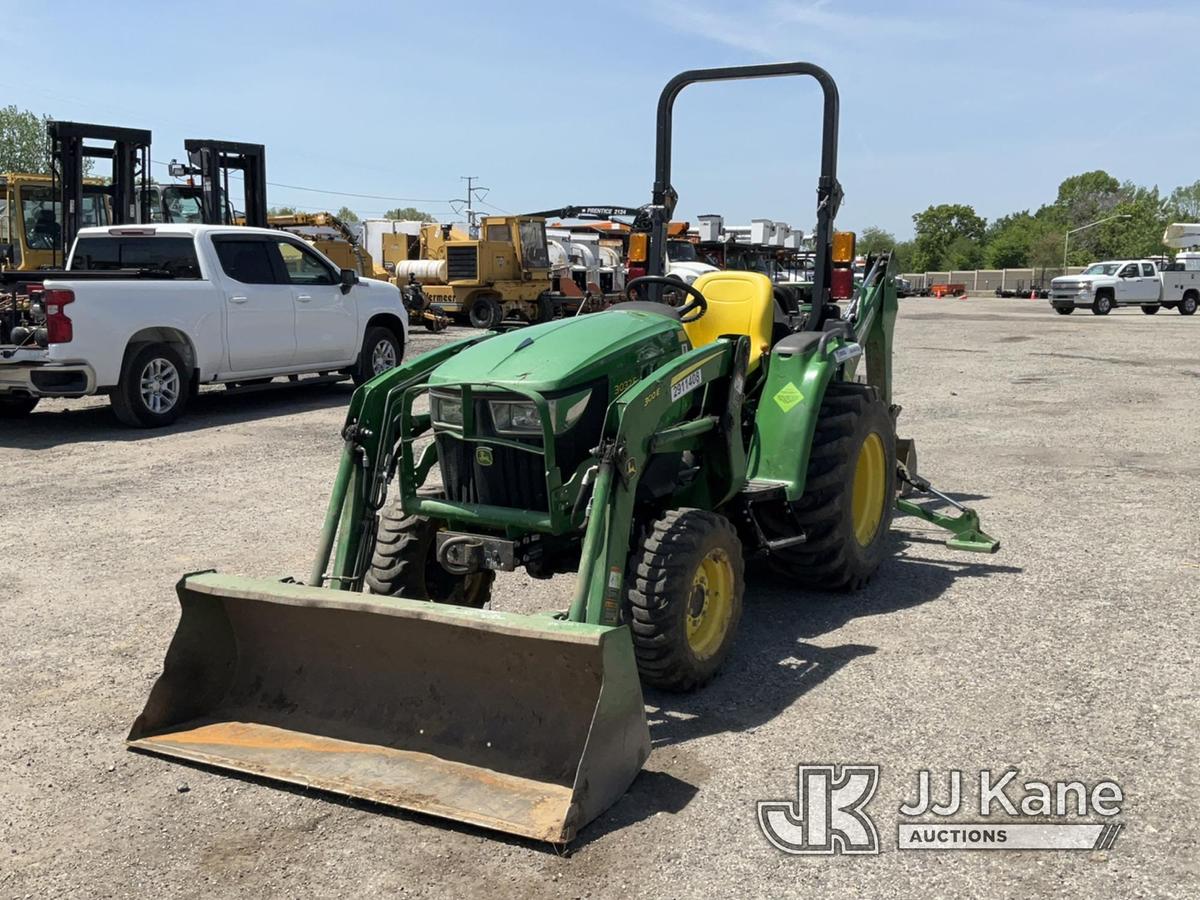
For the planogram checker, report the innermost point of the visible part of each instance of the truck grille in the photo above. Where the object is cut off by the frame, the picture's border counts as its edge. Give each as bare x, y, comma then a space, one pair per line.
514, 479
461, 264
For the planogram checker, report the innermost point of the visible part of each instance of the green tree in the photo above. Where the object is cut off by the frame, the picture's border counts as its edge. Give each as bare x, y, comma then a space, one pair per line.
347, 215
873, 240
902, 256
281, 211
1185, 203
23, 144
410, 214
964, 253
940, 227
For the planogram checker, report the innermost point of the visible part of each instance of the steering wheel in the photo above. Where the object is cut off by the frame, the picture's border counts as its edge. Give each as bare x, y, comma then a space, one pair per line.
40, 241
689, 312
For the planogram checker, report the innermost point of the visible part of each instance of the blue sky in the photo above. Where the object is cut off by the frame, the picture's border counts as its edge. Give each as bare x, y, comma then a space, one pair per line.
988, 103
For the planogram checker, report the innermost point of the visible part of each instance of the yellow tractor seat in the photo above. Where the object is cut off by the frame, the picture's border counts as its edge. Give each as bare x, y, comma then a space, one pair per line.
738, 303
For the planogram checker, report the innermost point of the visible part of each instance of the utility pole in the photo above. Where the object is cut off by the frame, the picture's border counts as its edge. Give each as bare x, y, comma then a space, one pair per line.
473, 194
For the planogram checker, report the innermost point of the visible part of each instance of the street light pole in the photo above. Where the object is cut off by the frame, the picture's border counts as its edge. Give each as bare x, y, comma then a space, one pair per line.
1067, 237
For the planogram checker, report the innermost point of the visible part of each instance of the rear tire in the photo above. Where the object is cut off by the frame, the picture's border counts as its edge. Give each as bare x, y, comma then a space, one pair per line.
1064, 310
849, 492
485, 312
546, 308
154, 388
1102, 305
405, 564
684, 598
1187, 306
381, 351
14, 407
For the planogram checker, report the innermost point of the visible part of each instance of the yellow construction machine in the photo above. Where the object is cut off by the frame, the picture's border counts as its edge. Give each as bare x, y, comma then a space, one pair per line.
503, 273
333, 237
31, 222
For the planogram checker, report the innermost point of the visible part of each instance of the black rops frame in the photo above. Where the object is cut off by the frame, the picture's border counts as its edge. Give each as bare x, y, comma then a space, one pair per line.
829, 191
130, 155
212, 160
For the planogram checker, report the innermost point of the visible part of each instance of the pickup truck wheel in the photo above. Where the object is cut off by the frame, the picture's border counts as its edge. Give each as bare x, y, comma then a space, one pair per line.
485, 312
381, 350
1187, 306
1150, 310
1064, 310
1102, 305
17, 407
154, 388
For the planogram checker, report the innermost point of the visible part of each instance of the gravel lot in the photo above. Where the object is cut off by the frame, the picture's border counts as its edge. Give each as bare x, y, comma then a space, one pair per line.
1070, 654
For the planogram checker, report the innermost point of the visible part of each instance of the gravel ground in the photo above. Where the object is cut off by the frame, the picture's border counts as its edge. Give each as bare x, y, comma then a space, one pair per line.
1070, 654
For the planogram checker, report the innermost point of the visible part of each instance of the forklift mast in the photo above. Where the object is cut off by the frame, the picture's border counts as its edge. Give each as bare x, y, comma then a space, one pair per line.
213, 161
130, 155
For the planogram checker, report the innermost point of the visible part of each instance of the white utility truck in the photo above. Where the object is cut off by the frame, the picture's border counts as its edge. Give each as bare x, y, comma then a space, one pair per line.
148, 313
1104, 286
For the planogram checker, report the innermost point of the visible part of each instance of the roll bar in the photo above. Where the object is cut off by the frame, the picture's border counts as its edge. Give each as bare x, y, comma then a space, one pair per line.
829, 191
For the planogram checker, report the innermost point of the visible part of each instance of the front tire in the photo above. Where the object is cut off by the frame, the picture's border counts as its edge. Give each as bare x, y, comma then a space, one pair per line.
1102, 305
405, 564
1187, 306
154, 388
485, 312
847, 506
381, 351
684, 598
17, 407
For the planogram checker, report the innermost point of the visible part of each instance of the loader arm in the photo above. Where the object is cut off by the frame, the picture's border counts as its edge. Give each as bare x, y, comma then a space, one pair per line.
367, 463
634, 430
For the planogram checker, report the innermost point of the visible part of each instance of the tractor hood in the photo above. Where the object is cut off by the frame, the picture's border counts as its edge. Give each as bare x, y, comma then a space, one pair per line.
617, 344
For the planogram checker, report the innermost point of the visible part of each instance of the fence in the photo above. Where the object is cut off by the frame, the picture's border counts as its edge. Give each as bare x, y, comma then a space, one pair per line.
989, 280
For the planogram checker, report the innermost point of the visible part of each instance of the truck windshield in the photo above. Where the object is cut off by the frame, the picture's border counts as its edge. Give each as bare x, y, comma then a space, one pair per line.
42, 215
176, 256
533, 244
1101, 269
682, 251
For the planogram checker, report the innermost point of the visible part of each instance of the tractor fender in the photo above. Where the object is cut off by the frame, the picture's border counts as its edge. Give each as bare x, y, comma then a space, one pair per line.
786, 418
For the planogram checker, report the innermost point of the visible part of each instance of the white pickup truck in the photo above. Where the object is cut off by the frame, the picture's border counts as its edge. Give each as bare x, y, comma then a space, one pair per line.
147, 314
1103, 286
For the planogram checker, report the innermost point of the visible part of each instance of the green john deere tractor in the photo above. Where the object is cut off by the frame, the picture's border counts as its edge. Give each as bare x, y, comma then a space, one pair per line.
650, 449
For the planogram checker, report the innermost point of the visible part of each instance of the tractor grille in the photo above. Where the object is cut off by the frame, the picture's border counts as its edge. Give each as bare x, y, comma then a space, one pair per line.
462, 264
514, 479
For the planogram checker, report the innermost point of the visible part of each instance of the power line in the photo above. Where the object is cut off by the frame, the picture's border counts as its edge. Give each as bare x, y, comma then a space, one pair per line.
296, 187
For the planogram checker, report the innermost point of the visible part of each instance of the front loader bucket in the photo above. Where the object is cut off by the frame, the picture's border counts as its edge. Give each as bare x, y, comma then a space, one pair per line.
527, 725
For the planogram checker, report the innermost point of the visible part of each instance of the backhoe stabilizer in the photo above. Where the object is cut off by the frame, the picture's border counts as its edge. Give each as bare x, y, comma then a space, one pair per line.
528, 725
967, 535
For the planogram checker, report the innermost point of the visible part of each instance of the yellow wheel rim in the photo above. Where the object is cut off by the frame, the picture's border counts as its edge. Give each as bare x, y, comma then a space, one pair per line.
711, 604
870, 485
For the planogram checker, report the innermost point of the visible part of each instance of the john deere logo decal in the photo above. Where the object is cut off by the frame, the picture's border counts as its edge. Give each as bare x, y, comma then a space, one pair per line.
788, 396
483, 456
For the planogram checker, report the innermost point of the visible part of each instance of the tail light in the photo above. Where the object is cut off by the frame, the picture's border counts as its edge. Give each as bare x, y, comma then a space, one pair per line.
635, 272
841, 282
59, 329
841, 286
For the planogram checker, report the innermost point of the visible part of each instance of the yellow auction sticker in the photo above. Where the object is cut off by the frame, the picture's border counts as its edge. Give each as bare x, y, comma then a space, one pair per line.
788, 396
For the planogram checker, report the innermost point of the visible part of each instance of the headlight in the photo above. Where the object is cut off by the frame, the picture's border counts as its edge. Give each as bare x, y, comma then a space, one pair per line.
521, 416
446, 410
516, 417
1085, 289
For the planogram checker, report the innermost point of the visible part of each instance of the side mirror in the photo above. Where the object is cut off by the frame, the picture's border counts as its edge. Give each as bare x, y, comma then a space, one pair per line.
349, 280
